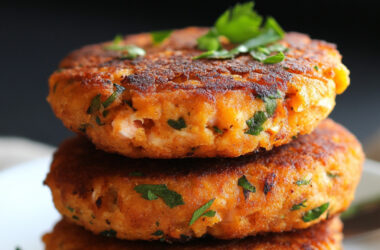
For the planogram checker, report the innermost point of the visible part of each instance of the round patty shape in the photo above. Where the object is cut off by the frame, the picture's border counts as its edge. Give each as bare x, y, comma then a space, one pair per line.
168, 105
290, 187
326, 235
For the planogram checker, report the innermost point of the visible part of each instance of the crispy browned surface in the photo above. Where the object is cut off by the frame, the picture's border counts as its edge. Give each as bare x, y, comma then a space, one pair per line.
98, 188
167, 84
325, 235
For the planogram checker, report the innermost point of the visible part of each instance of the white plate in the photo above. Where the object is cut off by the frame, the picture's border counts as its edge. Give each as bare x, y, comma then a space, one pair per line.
27, 211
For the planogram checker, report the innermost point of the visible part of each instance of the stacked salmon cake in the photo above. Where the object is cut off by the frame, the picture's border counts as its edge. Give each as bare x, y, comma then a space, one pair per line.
202, 138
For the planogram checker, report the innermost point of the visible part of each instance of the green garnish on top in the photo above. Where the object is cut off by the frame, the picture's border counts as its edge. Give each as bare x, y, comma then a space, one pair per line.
160, 35
332, 175
153, 191
202, 212
315, 213
129, 51
243, 26
118, 90
177, 124
303, 182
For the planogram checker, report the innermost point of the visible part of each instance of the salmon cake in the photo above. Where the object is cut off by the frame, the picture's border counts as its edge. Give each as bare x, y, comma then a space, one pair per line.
168, 104
290, 187
326, 235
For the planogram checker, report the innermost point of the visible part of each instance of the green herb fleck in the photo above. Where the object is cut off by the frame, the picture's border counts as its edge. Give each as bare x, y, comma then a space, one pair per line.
246, 185
118, 90
95, 104
332, 175
279, 57
255, 124
217, 130
158, 233
316, 68
18, 248
75, 217
239, 23
139, 174
315, 213
298, 206
128, 51
98, 121
153, 191
70, 209
109, 233
209, 41
303, 182
159, 36
157, 223
83, 127
177, 124
202, 212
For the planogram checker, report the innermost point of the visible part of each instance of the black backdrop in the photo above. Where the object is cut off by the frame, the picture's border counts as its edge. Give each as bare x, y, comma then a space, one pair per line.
34, 37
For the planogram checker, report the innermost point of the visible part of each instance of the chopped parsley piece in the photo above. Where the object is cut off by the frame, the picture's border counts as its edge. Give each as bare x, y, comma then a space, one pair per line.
209, 41
95, 104
136, 174
70, 209
128, 51
315, 213
270, 105
279, 57
159, 36
332, 175
158, 233
316, 68
246, 185
109, 233
105, 113
98, 121
118, 90
202, 212
177, 124
217, 130
75, 217
303, 182
153, 191
255, 124
157, 223
239, 23
298, 206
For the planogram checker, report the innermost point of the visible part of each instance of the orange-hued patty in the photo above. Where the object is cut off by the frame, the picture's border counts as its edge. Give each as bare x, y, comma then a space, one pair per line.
325, 235
103, 192
212, 99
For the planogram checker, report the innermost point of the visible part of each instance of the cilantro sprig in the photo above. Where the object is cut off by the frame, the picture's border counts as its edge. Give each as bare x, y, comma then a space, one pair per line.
202, 212
315, 213
128, 51
155, 191
160, 35
242, 25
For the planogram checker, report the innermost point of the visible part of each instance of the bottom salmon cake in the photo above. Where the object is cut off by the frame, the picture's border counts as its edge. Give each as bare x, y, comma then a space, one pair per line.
290, 187
325, 235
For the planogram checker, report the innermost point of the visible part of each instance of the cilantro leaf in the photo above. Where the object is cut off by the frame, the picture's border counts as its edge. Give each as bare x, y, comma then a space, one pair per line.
217, 130
209, 41
332, 175
160, 35
279, 57
315, 213
246, 185
298, 206
177, 124
118, 90
202, 212
239, 23
255, 124
153, 191
95, 104
129, 51
158, 233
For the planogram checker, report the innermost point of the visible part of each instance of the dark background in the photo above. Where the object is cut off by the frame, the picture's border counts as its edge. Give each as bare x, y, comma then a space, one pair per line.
34, 37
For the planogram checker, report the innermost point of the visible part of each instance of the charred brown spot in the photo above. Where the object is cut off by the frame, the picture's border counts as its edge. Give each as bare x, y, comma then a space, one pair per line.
269, 183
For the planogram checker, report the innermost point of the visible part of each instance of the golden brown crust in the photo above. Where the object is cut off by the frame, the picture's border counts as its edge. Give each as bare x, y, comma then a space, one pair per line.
100, 191
168, 84
325, 235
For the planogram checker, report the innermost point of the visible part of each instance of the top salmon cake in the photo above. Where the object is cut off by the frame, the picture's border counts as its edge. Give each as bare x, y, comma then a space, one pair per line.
170, 104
